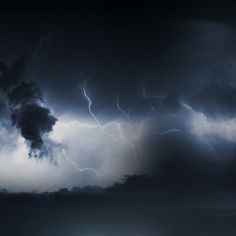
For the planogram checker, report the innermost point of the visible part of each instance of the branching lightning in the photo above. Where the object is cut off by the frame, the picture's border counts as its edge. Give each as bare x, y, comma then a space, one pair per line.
118, 125
130, 138
120, 136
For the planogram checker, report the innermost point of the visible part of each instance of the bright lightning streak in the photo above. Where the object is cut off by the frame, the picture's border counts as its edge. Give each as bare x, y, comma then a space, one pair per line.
94, 117
117, 124
135, 132
74, 164
122, 111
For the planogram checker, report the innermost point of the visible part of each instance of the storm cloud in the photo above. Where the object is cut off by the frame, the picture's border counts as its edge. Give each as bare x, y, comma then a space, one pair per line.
25, 101
174, 77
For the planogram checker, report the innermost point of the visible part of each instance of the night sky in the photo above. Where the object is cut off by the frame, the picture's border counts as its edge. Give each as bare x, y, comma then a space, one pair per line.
119, 98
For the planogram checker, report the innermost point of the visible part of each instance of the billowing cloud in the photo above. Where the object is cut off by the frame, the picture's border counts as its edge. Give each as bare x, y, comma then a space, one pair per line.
26, 106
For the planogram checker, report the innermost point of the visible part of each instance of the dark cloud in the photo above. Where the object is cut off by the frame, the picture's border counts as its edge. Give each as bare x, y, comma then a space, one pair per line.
33, 121
25, 93
25, 101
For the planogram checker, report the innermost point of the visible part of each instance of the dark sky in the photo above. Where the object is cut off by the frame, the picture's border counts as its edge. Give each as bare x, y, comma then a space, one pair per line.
117, 118
171, 63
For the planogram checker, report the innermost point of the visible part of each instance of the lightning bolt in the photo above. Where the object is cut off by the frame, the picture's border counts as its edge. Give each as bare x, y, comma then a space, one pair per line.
135, 132
74, 164
101, 127
63, 151
127, 140
118, 125
123, 112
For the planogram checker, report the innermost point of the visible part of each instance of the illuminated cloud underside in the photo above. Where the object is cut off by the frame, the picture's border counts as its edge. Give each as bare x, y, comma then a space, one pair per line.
83, 152
208, 128
87, 149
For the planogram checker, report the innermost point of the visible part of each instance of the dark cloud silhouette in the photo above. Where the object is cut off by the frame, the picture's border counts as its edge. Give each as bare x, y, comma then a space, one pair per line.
25, 101
25, 93
33, 121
